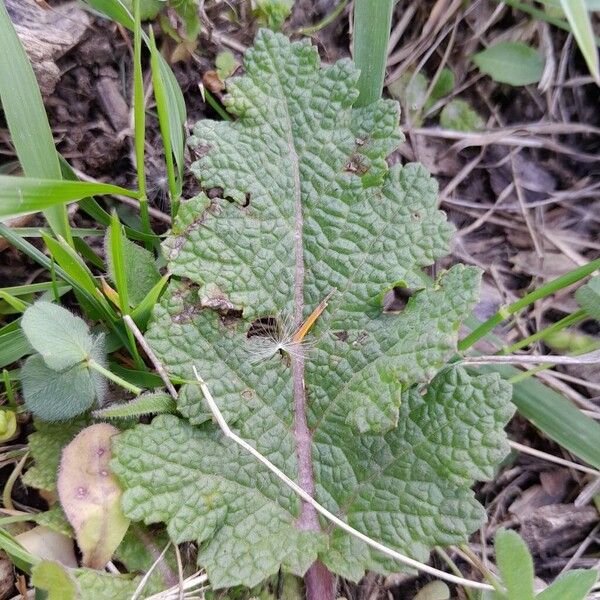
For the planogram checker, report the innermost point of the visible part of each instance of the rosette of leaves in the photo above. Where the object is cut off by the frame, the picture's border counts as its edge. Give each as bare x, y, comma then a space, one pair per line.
364, 412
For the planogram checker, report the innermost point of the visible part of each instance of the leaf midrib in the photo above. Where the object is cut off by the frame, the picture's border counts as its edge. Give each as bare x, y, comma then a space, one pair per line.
308, 519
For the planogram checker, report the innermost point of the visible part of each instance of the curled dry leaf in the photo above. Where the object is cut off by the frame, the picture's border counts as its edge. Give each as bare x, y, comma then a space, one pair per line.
48, 544
90, 494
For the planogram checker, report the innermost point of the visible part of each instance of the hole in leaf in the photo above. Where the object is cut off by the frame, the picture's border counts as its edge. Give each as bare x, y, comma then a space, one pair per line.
341, 335
201, 150
356, 165
396, 299
264, 327
216, 192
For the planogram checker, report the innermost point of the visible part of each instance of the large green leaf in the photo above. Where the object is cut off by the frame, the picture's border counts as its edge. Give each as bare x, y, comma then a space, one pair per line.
309, 209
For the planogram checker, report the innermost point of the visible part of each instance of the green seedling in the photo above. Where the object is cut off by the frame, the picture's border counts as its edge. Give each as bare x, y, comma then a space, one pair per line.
272, 13
517, 577
513, 63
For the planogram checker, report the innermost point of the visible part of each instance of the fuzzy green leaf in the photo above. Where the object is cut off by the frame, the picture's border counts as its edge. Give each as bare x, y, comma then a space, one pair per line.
515, 565
57, 383
311, 209
459, 115
62, 339
145, 404
59, 395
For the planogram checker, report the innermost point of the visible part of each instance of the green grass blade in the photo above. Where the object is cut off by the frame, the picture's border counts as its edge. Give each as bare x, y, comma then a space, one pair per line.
177, 113
73, 265
372, 23
139, 118
90, 206
88, 254
13, 347
16, 303
115, 247
144, 379
168, 120
39, 257
29, 288
20, 557
77, 232
545, 290
554, 415
26, 118
117, 11
581, 25
141, 313
114, 10
22, 195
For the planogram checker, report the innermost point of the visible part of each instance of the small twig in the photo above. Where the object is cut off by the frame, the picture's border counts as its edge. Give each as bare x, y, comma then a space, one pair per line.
325, 21
194, 583
179, 571
150, 354
551, 458
146, 577
590, 358
111, 568
328, 515
154, 212
581, 549
8, 487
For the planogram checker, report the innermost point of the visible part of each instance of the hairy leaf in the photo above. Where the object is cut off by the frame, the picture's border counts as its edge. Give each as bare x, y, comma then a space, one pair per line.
53, 578
313, 226
515, 565
459, 115
514, 63
517, 576
145, 404
57, 383
59, 395
573, 585
62, 339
